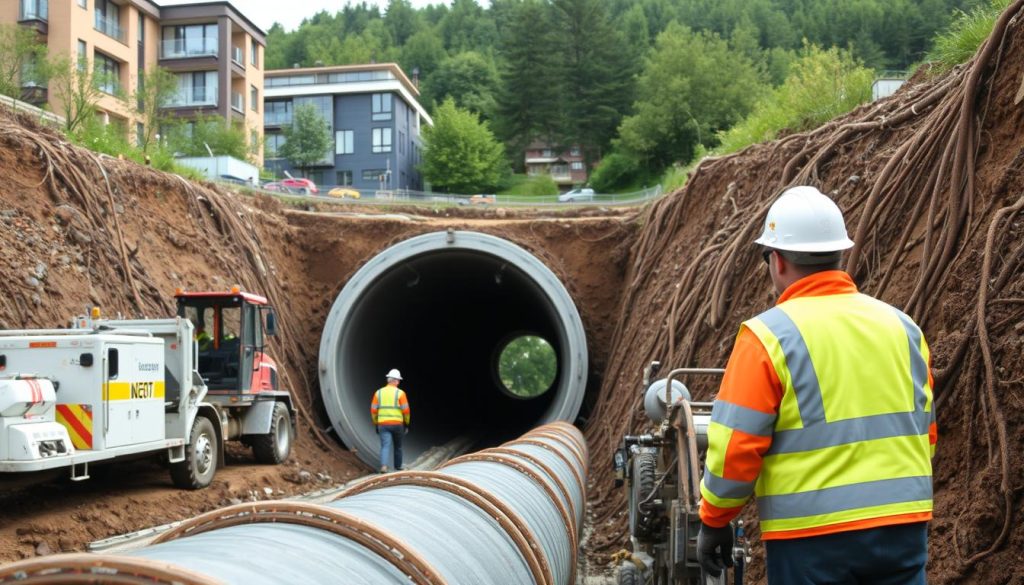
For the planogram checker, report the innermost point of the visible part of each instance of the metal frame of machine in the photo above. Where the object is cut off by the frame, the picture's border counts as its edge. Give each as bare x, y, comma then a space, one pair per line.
661, 470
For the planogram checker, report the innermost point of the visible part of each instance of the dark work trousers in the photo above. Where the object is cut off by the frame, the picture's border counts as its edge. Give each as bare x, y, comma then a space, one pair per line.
890, 555
391, 437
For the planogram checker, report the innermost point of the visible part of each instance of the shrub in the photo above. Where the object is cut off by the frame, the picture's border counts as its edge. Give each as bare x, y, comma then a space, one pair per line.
965, 35
821, 85
615, 171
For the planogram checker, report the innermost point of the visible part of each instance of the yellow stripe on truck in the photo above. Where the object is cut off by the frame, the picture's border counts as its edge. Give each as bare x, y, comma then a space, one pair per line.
147, 390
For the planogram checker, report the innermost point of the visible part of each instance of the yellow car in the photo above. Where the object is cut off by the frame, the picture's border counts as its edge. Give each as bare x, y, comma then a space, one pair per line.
344, 192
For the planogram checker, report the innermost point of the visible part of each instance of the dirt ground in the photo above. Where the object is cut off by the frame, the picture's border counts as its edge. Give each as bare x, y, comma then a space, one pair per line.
68, 243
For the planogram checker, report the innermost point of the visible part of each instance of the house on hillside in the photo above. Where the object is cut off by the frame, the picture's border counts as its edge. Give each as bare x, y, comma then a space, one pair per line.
374, 116
565, 167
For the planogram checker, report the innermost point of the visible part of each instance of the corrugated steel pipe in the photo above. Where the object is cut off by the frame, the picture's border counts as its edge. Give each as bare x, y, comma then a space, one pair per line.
441, 307
509, 515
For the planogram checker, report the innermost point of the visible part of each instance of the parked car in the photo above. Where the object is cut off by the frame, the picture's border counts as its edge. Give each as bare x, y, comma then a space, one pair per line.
344, 193
478, 200
300, 186
578, 194
273, 186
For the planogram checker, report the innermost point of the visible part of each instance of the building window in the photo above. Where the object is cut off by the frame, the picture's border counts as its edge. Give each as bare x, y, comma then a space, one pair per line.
194, 40
254, 98
344, 178
316, 176
277, 113
142, 28
375, 175
381, 106
272, 143
106, 73
576, 166
324, 105
34, 10
575, 151
381, 140
83, 55
254, 53
401, 142
344, 142
547, 153
198, 88
108, 19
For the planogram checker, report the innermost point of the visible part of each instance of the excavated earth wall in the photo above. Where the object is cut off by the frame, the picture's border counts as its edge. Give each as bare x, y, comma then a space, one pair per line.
932, 185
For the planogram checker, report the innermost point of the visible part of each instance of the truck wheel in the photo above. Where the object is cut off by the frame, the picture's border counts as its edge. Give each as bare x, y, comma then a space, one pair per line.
628, 575
644, 468
274, 446
200, 464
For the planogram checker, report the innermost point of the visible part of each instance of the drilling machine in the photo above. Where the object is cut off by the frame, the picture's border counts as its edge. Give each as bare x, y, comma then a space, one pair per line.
661, 471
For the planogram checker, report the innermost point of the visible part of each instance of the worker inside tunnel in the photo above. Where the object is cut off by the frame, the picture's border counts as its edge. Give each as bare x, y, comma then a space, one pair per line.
487, 339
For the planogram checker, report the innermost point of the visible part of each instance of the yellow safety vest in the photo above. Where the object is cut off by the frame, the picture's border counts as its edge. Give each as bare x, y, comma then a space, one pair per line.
850, 441
388, 409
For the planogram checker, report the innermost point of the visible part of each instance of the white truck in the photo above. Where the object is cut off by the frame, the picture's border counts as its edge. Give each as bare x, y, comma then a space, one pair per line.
109, 389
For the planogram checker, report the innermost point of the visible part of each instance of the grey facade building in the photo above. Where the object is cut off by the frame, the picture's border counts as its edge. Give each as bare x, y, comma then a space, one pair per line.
374, 115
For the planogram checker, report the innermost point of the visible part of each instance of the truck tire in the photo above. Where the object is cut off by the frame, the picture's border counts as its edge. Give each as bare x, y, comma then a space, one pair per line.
274, 447
645, 466
200, 464
629, 574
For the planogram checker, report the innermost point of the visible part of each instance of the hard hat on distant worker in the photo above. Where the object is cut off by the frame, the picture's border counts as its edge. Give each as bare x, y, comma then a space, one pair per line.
803, 219
395, 374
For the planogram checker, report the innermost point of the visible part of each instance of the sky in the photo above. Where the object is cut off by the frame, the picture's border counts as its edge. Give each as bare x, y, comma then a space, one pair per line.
291, 12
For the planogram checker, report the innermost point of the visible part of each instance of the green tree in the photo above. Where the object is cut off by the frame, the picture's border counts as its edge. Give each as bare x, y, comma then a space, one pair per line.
307, 140
598, 78
528, 366
77, 88
529, 96
692, 87
460, 153
401, 20
424, 51
469, 78
191, 137
22, 59
156, 88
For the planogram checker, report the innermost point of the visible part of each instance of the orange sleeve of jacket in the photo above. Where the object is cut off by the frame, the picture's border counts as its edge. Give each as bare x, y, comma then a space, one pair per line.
374, 405
403, 403
750, 385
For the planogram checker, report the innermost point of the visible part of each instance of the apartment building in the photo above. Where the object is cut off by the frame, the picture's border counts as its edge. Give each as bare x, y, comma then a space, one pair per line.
374, 115
565, 167
213, 49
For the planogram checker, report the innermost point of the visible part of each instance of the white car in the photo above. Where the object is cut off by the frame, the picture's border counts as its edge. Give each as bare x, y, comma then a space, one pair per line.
579, 194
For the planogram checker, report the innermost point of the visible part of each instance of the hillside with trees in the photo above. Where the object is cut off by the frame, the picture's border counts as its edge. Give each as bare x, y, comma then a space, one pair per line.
654, 81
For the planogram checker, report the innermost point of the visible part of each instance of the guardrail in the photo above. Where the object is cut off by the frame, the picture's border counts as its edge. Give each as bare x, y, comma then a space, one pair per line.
411, 197
42, 115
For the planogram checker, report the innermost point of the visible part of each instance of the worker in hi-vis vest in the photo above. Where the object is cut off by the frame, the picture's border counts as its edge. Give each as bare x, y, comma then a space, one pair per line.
390, 413
825, 413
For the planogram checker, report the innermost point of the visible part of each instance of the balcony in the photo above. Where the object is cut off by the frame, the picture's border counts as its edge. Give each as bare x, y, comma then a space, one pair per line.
109, 27
237, 102
277, 118
189, 48
195, 97
34, 10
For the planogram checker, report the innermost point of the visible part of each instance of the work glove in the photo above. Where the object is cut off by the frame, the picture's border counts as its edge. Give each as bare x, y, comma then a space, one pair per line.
714, 548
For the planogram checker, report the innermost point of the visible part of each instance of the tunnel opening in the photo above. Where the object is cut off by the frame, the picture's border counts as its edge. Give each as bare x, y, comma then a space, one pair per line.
441, 308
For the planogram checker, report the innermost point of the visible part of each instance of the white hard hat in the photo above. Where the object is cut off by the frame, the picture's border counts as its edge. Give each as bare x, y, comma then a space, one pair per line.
802, 219
394, 374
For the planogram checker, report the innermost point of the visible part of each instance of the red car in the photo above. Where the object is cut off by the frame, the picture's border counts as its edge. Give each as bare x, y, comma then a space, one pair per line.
295, 186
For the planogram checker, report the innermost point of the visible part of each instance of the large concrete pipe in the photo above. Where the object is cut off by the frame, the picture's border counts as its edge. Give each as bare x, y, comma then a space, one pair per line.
507, 516
441, 307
